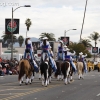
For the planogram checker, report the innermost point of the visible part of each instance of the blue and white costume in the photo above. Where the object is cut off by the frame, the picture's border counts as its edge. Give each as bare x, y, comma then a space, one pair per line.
68, 57
82, 59
60, 54
45, 49
29, 48
52, 60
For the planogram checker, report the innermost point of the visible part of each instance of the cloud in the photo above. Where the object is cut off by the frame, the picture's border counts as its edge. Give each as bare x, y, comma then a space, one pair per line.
55, 16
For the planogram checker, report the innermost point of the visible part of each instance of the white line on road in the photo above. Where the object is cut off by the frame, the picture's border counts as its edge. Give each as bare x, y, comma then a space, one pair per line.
98, 94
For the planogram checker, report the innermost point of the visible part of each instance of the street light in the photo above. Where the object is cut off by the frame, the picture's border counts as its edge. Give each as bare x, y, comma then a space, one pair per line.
67, 31
83, 21
12, 28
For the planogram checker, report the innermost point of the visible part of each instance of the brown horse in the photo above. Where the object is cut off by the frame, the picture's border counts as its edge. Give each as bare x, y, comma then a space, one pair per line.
80, 69
63, 67
25, 68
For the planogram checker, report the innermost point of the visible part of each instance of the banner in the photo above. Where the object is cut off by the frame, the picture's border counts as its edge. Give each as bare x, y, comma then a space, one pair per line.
94, 49
12, 28
65, 40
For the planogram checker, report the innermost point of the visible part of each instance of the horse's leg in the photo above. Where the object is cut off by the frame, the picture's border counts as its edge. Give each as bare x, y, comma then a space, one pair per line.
32, 76
27, 80
65, 79
58, 77
82, 73
46, 78
39, 74
71, 73
62, 77
22, 79
50, 72
42, 77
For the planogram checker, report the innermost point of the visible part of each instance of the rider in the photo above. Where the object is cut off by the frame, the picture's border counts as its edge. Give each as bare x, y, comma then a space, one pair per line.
52, 58
60, 55
29, 49
68, 57
82, 59
45, 45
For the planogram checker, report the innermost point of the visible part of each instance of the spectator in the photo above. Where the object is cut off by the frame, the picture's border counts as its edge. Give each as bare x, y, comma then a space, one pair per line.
1, 72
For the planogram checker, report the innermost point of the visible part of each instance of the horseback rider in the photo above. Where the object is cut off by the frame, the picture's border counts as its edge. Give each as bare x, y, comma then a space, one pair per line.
29, 49
52, 58
82, 59
68, 57
45, 45
60, 55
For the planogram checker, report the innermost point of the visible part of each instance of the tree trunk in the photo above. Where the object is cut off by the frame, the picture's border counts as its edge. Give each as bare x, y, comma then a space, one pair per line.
26, 33
94, 53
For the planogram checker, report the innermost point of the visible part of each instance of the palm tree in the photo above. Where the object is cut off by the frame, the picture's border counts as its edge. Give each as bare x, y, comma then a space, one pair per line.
8, 37
20, 40
95, 37
50, 36
28, 23
86, 42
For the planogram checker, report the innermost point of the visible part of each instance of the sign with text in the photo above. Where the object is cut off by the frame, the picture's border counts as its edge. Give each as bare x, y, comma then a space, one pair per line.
9, 28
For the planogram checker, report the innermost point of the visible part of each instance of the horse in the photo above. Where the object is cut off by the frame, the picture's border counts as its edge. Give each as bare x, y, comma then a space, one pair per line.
64, 68
45, 70
80, 70
25, 68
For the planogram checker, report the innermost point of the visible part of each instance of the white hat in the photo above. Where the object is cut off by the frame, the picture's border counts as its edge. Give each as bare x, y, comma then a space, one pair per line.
45, 38
61, 41
80, 53
65, 46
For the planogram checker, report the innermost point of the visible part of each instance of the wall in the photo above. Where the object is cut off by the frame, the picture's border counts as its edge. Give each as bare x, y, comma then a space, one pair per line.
19, 49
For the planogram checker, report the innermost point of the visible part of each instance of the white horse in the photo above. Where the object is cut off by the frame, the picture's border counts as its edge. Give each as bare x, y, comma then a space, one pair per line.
80, 69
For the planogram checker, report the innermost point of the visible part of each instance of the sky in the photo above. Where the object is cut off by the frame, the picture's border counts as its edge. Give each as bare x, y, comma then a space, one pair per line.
53, 16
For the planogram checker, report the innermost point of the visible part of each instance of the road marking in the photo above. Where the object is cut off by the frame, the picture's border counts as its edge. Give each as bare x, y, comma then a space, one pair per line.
98, 94
17, 95
30, 92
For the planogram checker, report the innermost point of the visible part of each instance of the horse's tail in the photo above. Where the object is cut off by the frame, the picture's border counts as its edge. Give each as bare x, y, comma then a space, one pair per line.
21, 71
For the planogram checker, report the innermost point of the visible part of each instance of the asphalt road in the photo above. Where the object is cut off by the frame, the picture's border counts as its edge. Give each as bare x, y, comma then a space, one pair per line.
87, 89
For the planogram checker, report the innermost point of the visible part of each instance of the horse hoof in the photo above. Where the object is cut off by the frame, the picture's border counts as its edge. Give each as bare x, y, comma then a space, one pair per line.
71, 80
65, 83
39, 78
22, 82
26, 83
68, 82
30, 83
45, 85
31, 80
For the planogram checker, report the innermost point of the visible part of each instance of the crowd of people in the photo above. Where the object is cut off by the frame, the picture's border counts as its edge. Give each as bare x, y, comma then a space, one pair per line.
8, 67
